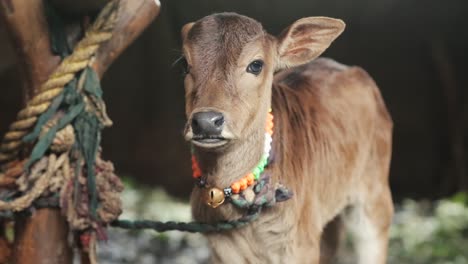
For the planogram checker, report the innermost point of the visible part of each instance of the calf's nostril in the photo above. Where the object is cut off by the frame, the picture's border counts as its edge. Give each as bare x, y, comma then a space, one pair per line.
195, 124
196, 129
219, 121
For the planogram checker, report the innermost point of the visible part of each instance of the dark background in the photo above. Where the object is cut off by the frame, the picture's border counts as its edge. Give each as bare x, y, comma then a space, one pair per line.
415, 50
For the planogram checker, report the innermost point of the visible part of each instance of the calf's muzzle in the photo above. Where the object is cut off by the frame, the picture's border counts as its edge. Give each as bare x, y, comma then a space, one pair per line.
207, 124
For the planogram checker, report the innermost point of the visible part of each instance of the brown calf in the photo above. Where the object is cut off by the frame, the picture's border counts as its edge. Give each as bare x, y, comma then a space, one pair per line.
331, 141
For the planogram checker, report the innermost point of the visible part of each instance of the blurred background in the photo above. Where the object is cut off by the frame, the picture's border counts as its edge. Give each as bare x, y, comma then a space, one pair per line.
415, 50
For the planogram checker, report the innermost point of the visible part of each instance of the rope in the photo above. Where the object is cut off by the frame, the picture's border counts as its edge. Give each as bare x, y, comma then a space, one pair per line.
81, 57
41, 202
25, 201
193, 227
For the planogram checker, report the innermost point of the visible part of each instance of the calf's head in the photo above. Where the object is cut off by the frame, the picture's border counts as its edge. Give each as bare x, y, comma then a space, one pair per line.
230, 63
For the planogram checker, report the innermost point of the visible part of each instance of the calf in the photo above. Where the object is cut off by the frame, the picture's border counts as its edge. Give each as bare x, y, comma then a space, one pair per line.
331, 138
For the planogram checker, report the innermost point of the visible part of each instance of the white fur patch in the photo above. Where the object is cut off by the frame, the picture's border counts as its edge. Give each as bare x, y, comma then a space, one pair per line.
369, 245
157, 2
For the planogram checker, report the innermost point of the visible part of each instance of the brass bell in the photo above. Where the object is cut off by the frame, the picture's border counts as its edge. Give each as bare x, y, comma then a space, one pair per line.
214, 197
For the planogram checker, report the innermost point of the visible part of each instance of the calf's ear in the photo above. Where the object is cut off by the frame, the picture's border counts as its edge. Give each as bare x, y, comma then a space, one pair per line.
185, 30
306, 39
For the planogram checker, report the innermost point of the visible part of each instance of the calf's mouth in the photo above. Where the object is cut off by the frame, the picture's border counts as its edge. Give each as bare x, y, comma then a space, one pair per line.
209, 141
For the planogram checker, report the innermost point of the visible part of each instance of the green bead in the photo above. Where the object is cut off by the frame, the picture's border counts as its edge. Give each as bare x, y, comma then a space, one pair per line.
256, 176
256, 171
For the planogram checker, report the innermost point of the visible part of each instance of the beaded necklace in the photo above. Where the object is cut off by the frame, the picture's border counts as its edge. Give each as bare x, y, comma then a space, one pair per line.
215, 197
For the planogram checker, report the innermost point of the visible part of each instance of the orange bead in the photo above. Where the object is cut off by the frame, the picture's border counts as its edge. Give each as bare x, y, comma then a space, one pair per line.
269, 125
250, 179
243, 184
196, 173
270, 117
195, 168
235, 187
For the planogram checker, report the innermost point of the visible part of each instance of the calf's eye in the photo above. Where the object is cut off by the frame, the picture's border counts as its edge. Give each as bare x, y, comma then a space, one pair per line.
255, 67
183, 65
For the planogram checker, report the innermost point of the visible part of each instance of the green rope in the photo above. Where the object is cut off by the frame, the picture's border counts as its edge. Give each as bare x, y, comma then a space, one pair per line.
43, 144
46, 116
58, 36
193, 227
88, 128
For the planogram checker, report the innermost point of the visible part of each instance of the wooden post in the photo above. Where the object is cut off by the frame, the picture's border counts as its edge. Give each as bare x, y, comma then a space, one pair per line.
5, 250
42, 238
28, 30
134, 17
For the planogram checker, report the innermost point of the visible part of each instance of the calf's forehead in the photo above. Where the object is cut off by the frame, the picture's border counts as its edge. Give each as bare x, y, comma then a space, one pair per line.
215, 42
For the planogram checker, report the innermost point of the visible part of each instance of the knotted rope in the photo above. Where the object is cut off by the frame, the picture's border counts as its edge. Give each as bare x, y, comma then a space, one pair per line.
82, 57
51, 164
52, 182
67, 116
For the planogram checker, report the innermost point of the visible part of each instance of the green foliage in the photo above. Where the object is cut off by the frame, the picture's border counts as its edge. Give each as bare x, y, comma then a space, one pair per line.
461, 197
431, 233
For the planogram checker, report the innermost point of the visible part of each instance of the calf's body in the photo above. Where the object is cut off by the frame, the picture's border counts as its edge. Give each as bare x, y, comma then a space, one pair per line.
331, 147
